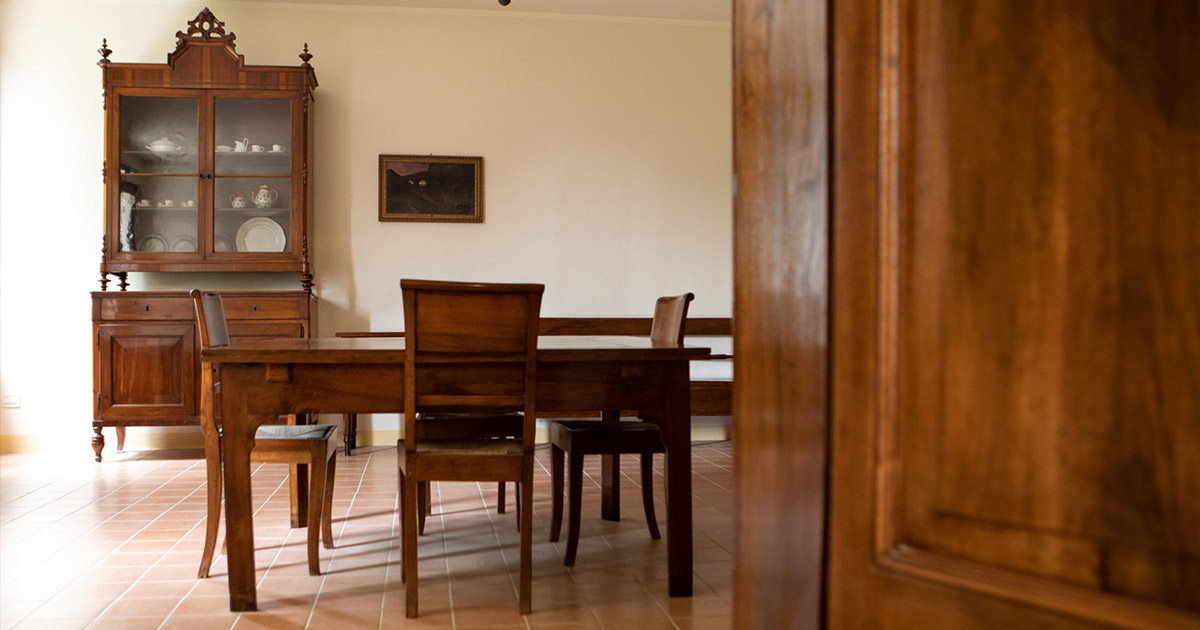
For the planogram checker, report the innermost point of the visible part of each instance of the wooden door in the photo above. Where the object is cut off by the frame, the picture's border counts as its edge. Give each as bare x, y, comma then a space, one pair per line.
1016, 322
147, 372
1013, 356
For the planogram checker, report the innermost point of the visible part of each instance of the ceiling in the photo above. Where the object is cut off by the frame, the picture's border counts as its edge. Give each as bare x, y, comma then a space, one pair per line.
701, 10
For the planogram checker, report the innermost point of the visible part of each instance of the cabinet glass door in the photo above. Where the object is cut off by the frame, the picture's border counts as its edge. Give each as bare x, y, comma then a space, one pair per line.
252, 194
159, 169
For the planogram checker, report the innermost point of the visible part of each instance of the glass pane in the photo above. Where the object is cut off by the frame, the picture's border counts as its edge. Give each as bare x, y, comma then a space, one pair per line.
253, 136
158, 134
253, 214
158, 214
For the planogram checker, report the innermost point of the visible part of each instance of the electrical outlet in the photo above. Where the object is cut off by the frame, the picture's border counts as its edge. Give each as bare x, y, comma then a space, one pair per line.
10, 401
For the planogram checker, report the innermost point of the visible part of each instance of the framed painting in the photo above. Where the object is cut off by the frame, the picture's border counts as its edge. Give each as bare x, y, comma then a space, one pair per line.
430, 188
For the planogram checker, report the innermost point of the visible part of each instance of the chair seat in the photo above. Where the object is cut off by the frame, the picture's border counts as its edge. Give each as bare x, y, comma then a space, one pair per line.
596, 425
470, 447
319, 432
443, 425
594, 436
294, 432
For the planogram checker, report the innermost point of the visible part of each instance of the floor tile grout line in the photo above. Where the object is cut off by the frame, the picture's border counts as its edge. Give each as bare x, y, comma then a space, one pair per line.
102, 558
333, 554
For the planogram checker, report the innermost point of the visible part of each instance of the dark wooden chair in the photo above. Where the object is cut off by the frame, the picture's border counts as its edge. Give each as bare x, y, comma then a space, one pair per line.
576, 438
281, 444
470, 351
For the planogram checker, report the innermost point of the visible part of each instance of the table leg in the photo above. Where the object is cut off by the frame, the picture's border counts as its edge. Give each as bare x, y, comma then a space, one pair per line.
676, 424
350, 432
610, 476
237, 439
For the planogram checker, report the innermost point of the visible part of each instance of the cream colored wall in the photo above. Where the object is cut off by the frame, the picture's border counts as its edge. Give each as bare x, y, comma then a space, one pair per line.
606, 143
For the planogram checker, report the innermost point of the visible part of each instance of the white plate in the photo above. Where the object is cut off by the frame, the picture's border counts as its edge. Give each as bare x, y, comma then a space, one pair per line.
260, 234
222, 244
152, 243
184, 244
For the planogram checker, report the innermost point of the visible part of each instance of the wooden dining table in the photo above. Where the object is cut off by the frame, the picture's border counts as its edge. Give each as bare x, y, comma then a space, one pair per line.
262, 379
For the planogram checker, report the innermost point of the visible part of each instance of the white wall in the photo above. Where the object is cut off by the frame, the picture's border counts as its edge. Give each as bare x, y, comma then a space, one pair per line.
606, 143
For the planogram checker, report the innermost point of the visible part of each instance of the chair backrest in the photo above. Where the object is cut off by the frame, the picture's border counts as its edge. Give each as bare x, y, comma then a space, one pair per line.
210, 317
470, 347
670, 317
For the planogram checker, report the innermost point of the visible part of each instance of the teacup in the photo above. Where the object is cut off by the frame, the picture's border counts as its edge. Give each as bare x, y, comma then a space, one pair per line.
257, 148
278, 148
144, 203
189, 203
167, 203
237, 201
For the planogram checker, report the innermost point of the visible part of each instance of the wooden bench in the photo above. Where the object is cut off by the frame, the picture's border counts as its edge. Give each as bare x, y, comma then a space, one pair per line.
710, 396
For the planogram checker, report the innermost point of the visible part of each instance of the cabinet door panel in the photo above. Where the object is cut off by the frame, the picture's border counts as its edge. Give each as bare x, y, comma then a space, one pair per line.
1015, 341
147, 371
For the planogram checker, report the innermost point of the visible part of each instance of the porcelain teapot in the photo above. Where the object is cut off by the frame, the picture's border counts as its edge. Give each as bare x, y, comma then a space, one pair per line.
237, 201
265, 197
163, 145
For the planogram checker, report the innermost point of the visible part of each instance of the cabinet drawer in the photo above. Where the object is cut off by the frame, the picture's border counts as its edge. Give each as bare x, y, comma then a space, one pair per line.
130, 307
265, 307
247, 330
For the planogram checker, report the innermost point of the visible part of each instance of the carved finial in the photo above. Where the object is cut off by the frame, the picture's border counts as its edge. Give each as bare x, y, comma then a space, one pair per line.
103, 273
206, 27
104, 53
305, 56
306, 278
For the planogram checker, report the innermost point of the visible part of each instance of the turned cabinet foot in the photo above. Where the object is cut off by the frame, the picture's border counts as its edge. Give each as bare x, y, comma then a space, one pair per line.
97, 441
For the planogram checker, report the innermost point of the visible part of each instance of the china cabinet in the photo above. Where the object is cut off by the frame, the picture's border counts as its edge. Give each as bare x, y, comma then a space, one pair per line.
206, 169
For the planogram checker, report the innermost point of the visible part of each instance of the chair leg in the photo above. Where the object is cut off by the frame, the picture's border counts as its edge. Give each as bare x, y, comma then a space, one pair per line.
425, 503
316, 499
327, 505
500, 499
648, 493
525, 503
574, 504
556, 491
213, 465
409, 546
403, 531
518, 491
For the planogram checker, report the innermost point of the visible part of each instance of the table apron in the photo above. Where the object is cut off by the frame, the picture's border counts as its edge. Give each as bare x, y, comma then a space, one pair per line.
379, 388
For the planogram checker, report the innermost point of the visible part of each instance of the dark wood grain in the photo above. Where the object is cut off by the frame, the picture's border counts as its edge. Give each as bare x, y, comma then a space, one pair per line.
781, 295
1015, 316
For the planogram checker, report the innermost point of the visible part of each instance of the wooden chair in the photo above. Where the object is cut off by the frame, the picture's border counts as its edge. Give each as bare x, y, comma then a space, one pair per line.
576, 438
280, 444
470, 349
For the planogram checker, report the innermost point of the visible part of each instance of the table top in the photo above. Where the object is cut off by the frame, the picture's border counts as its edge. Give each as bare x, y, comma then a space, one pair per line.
391, 350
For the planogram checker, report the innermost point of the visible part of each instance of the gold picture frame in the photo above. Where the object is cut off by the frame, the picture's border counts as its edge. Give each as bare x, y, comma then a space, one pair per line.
431, 188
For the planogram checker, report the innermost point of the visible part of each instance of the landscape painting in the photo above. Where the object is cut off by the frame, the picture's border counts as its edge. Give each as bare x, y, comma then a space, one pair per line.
430, 188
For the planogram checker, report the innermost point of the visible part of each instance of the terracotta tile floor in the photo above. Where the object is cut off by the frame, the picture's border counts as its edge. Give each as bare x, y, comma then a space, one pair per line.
116, 545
